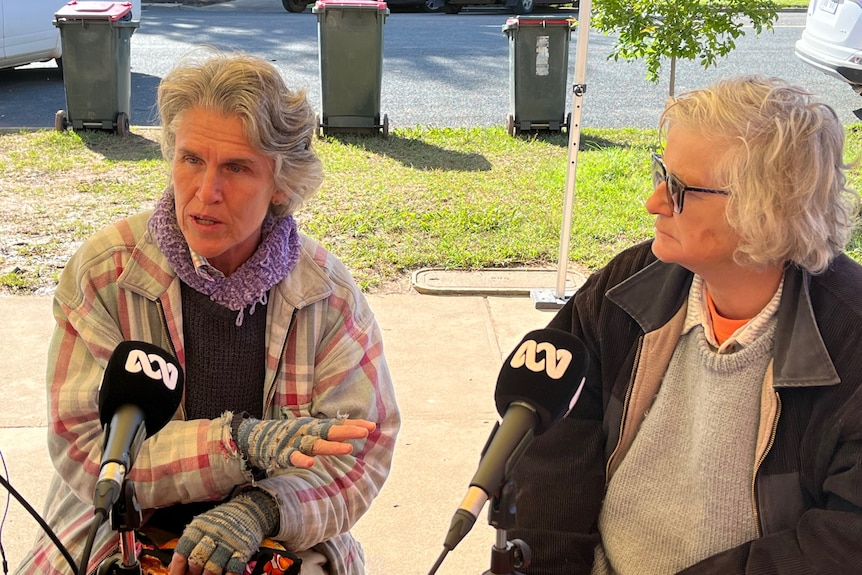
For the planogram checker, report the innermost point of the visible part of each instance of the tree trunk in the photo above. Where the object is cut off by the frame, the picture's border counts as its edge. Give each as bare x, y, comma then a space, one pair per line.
672, 75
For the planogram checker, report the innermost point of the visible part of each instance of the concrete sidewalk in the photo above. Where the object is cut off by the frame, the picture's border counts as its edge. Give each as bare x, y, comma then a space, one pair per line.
444, 352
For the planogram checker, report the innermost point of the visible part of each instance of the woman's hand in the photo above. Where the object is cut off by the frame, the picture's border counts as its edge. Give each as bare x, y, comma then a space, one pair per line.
334, 443
283, 443
223, 539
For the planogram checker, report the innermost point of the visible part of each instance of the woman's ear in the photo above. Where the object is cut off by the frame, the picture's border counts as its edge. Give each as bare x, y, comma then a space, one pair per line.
278, 197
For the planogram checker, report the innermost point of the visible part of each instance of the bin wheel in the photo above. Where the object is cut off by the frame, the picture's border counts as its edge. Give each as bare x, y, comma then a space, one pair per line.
385, 126
60, 121
122, 124
449, 8
510, 125
295, 6
523, 7
569, 122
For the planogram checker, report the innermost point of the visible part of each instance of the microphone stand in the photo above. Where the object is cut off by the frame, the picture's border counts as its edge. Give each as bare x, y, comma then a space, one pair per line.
125, 518
506, 556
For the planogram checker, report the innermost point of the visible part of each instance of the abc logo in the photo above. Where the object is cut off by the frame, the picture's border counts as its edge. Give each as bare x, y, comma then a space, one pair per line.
555, 363
138, 361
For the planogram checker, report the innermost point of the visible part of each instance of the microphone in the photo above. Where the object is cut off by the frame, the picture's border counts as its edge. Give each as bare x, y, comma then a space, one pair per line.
141, 390
538, 385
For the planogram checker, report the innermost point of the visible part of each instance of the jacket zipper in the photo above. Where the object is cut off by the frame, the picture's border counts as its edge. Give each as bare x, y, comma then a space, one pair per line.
268, 400
164, 321
760, 462
625, 409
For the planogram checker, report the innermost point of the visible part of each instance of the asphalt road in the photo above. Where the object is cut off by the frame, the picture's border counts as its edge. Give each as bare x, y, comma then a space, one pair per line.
438, 69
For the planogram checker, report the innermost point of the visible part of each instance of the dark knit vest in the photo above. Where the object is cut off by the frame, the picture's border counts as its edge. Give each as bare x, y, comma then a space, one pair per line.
225, 370
225, 363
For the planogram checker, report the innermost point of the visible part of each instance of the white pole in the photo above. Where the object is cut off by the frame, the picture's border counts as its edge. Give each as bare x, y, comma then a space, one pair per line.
543, 299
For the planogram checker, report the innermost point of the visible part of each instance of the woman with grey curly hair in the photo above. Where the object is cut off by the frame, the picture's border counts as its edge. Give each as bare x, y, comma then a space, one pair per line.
287, 425
780, 152
719, 427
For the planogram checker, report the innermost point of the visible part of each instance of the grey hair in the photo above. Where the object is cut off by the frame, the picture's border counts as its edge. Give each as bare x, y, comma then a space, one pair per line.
279, 122
783, 164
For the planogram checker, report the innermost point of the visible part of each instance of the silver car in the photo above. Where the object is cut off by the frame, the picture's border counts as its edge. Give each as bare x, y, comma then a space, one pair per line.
832, 40
27, 34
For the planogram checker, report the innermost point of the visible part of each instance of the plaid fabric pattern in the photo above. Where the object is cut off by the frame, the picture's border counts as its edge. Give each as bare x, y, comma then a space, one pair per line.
324, 359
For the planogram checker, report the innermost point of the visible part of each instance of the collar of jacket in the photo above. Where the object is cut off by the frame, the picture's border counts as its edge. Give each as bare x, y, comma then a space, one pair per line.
654, 294
149, 274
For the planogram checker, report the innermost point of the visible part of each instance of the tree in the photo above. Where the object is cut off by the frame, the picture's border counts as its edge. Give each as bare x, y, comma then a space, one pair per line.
689, 29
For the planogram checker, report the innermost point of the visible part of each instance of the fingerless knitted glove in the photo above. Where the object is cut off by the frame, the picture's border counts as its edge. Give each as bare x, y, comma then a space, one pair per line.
269, 444
225, 537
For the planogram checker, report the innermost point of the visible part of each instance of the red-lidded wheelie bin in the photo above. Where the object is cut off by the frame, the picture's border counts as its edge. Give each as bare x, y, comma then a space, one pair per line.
538, 69
96, 69
350, 38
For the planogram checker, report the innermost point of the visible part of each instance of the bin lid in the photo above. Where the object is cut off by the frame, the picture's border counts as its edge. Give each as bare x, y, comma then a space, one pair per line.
90, 10
378, 5
516, 21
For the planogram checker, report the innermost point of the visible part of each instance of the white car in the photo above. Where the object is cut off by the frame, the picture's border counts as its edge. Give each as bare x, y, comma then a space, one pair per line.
832, 40
27, 33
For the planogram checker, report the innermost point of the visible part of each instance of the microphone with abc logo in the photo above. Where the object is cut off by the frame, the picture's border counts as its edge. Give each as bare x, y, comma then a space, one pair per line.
538, 385
141, 390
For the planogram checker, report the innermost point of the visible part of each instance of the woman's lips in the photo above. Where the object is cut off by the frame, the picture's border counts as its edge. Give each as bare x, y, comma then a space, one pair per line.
204, 220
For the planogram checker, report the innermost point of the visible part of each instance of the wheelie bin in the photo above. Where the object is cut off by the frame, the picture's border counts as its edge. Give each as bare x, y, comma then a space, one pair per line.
538, 69
96, 70
350, 38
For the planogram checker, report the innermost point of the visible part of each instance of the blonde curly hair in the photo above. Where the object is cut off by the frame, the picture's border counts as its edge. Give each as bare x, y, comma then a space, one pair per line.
784, 167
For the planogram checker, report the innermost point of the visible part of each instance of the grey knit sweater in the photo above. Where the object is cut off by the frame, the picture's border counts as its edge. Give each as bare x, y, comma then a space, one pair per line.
684, 492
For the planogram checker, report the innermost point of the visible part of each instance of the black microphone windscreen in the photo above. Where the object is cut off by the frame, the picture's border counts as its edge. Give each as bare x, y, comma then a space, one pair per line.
545, 371
144, 375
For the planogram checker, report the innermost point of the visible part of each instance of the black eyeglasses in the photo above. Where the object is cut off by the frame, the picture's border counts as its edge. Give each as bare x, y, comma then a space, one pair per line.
676, 189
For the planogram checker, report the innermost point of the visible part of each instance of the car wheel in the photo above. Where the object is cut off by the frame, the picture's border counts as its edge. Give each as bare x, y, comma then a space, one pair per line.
451, 8
295, 6
523, 7
431, 6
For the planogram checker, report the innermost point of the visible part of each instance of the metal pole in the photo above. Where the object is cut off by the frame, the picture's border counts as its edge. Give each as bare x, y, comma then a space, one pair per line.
543, 298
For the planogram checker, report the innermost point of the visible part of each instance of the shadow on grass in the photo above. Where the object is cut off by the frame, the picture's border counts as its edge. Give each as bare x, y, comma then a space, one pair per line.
416, 153
599, 143
132, 147
587, 141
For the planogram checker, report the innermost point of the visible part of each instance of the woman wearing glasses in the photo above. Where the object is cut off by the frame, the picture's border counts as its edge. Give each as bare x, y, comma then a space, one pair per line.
720, 428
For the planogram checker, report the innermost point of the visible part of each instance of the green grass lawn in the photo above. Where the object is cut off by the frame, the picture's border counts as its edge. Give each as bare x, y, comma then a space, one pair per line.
453, 198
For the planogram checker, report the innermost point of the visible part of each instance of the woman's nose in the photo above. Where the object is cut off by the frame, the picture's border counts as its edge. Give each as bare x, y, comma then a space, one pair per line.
210, 188
657, 203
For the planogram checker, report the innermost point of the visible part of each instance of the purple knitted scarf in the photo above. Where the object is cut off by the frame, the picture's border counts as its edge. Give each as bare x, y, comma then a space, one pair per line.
276, 255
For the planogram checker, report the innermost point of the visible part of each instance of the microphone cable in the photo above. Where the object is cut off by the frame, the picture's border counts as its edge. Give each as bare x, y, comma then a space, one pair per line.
3, 519
439, 561
45, 527
98, 518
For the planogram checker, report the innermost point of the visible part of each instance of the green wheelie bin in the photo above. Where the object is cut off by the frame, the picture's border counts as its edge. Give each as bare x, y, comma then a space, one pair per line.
538, 69
350, 37
97, 74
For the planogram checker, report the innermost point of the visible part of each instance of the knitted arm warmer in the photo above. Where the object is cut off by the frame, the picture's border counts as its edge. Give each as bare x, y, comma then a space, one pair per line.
269, 444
